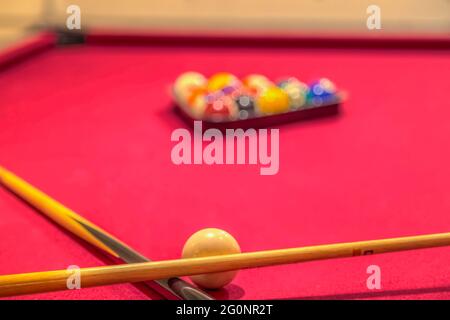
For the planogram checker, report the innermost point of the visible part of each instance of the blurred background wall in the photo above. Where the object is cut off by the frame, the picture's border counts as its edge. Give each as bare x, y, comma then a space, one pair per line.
21, 17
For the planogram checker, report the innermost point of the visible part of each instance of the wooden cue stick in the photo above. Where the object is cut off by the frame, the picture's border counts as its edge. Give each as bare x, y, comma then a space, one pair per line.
86, 230
89, 277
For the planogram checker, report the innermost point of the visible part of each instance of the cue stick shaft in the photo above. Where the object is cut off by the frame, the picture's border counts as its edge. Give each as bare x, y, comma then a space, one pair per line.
84, 229
57, 280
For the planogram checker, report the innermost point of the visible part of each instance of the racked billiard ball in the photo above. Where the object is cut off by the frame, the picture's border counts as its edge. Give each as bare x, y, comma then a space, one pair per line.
187, 84
221, 109
246, 106
223, 81
296, 90
273, 100
320, 92
256, 83
211, 242
233, 90
197, 104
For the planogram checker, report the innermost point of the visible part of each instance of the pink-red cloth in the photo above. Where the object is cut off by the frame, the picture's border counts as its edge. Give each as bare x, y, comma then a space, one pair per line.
91, 125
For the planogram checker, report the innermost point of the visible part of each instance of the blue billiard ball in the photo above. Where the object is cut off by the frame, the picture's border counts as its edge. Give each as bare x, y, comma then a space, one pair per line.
320, 92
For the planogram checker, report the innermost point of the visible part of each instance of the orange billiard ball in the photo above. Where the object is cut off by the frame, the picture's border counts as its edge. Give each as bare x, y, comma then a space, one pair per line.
211, 242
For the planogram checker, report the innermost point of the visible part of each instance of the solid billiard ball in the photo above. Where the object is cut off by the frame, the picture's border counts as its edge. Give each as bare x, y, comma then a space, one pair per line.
296, 90
211, 242
273, 100
321, 91
246, 106
223, 81
256, 83
186, 84
221, 108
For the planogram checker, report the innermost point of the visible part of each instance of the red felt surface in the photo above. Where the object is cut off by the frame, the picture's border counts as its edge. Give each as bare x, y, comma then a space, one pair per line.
91, 126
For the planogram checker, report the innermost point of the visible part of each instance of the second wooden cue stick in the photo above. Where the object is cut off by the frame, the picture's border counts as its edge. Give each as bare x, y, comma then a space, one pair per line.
86, 230
57, 280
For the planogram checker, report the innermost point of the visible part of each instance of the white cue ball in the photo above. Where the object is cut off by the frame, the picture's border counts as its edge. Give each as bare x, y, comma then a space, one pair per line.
211, 242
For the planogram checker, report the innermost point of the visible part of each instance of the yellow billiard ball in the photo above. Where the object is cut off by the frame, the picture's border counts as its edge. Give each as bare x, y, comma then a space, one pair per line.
211, 242
186, 85
221, 80
273, 100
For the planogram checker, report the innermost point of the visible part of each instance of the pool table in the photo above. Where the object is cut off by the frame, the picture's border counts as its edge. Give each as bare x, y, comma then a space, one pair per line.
88, 118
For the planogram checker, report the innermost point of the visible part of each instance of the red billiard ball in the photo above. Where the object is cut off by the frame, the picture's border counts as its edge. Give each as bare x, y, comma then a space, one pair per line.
221, 108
